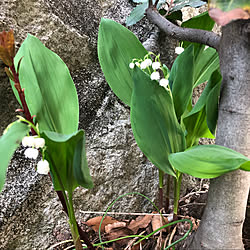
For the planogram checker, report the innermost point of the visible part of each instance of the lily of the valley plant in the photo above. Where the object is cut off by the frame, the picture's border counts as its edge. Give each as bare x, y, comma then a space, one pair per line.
49, 127
165, 124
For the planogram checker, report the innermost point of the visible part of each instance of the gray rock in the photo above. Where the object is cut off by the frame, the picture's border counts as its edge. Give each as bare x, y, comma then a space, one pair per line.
30, 213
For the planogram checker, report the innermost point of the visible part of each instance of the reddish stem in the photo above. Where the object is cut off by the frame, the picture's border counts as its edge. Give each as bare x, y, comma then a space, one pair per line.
21, 96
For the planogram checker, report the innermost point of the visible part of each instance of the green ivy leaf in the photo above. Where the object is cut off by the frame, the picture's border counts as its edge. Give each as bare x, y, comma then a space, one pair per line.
49, 90
9, 142
154, 123
67, 158
117, 46
208, 161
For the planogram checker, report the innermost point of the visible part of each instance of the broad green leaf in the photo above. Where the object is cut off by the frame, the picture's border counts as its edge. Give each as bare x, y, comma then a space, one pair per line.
208, 161
205, 65
154, 123
212, 104
227, 5
117, 46
201, 121
206, 61
137, 14
49, 90
181, 80
9, 142
139, 11
67, 157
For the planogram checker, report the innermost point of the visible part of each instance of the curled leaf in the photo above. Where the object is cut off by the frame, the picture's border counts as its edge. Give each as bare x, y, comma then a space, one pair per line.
7, 47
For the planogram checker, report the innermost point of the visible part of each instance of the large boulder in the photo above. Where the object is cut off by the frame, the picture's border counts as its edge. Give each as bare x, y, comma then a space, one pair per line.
30, 213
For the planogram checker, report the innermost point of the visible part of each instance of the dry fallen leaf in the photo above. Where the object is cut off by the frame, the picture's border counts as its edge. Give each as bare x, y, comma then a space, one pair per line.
158, 222
114, 225
116, 233
222, 18
95, 222
140, 222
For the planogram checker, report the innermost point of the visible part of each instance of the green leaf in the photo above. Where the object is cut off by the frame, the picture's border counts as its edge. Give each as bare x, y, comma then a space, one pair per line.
117, 46
207, 62
179, 4
9, 142
202, 120
136, 14
49, 90
181, 80
67, 157
212, 103
153, 120
208, 161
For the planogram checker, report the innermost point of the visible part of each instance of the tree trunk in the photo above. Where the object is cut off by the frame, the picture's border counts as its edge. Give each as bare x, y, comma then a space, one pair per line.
222, 221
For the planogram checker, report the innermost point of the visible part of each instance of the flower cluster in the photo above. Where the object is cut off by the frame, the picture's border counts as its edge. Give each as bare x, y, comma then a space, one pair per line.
34, 143
154, 68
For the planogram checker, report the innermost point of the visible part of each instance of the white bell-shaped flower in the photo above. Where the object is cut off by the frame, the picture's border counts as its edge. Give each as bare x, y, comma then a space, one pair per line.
43, 167
28, 141
179, 50
39, 142
131, 65
155, 75
31, 153
156, 65
146, 63
164, 82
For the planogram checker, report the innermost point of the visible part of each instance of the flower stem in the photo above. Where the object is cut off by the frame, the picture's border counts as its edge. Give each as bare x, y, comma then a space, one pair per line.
73, 224
177, 189
161, 176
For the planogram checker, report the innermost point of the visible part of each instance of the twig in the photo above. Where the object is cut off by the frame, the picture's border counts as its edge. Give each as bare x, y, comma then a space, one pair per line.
184, 34
117, 213
191, 194
172, 235
130, 244
156, 2
189, 204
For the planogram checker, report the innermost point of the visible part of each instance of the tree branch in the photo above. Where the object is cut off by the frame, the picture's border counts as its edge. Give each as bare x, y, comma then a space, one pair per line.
185, 34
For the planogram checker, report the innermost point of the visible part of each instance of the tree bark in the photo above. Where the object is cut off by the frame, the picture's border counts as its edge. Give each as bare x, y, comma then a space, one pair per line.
222, 221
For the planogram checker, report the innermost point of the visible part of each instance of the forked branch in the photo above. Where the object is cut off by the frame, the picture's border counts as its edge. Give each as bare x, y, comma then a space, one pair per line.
184, 34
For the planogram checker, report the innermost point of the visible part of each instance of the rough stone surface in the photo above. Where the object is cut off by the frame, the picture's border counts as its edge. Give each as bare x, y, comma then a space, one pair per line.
30, 213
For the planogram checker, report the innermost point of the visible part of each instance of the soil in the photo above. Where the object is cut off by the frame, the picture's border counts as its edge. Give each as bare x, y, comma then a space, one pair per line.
191, 207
